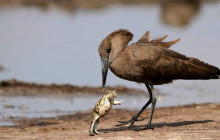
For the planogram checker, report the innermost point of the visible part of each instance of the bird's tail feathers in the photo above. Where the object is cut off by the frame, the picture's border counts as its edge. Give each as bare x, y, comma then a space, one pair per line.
203, 70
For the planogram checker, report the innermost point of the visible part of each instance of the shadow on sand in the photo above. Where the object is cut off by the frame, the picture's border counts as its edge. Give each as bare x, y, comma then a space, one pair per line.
156, 125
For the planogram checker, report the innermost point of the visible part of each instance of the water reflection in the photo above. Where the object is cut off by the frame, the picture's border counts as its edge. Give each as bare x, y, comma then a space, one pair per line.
179, 12
1, 68
173, 12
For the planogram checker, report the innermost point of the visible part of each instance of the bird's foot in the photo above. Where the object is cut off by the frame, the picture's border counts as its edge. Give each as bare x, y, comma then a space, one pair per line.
132, 121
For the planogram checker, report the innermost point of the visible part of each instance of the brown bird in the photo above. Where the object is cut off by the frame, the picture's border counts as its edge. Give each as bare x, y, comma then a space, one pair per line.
149, 62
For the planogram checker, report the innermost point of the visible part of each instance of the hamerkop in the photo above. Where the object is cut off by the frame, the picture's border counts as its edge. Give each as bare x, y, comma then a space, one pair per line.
150, 62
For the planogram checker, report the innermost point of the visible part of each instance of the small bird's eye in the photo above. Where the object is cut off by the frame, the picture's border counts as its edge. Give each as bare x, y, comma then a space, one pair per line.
108, 51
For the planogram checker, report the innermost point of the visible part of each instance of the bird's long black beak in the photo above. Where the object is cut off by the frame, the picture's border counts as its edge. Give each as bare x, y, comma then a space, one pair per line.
105, 65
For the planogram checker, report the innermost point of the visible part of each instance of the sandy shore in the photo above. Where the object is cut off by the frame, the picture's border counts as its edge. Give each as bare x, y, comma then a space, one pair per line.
196, 121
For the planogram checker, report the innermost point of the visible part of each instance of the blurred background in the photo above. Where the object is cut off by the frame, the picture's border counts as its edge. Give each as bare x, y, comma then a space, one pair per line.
56, 41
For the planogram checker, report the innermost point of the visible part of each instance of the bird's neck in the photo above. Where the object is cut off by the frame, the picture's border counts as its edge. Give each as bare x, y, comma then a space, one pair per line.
118, 45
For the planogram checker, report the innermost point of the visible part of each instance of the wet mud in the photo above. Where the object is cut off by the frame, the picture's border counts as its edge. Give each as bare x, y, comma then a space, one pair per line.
195, 121
18, 87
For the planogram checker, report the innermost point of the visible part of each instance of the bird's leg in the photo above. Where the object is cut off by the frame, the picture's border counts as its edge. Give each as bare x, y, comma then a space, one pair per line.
134, 118
154, 100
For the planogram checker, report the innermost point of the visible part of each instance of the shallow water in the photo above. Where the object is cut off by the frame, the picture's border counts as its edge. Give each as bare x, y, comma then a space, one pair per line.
16, 107
55, 46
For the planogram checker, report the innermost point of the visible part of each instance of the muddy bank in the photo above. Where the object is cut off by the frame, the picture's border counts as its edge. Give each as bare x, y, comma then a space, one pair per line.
72, 5
195, 121
18, 87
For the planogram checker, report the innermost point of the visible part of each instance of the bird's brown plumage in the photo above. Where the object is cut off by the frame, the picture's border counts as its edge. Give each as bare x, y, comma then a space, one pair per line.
151, 62
145, 39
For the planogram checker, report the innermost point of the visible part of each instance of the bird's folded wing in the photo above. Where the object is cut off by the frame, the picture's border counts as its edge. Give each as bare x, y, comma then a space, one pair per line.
160, 63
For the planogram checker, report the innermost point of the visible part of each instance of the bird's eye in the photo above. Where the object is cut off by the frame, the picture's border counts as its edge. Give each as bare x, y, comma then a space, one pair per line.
108, 51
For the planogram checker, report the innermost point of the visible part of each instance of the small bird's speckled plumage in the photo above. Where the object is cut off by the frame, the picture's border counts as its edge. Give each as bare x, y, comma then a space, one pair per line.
102, 107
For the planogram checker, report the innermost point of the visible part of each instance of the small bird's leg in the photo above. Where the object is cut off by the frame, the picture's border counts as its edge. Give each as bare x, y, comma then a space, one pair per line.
134, 118
95, 126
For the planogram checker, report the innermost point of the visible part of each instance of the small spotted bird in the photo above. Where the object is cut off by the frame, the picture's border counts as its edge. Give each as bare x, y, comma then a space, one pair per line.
102, 107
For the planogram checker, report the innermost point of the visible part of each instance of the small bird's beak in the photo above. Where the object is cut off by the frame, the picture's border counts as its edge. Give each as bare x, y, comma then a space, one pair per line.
105, 65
